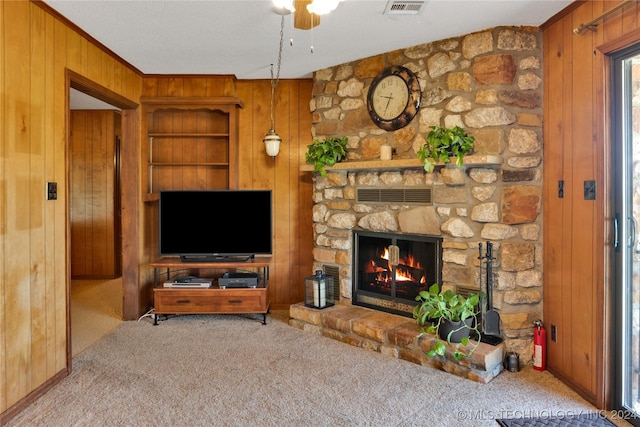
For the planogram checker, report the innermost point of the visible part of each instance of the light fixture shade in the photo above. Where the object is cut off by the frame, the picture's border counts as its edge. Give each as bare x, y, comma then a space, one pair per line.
272, 143
284, 4
322, 7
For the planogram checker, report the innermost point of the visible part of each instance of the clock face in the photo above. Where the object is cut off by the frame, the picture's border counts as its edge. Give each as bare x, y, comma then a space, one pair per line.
394, 98
390, 97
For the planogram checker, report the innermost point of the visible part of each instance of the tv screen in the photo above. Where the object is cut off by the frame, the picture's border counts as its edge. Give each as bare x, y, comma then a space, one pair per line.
215, 225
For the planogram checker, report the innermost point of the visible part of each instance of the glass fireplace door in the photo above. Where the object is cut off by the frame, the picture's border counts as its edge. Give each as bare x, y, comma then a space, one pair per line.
391, 269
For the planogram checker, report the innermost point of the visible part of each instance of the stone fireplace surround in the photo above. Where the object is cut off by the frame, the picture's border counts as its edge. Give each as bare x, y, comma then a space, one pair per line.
489, 83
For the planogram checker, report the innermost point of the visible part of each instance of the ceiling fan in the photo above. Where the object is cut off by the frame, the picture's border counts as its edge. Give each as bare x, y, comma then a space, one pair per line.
302, 18
306, 13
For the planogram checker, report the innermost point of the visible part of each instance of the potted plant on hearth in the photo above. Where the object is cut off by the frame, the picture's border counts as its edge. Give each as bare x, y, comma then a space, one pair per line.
444, 143
326, 153
452, 317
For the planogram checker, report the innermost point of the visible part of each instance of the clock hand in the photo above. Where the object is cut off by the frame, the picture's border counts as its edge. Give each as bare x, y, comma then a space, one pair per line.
389, 98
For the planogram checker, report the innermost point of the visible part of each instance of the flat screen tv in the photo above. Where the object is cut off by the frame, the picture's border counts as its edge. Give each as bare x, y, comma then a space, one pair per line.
215, 225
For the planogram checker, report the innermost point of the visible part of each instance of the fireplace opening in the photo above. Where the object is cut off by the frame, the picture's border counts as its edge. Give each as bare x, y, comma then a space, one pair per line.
390, 269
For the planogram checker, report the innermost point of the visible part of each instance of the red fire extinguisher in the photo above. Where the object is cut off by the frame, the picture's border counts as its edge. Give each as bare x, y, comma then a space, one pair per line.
539, 346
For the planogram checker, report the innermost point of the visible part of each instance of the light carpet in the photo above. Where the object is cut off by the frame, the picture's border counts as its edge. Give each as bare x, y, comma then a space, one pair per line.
96, 310
216, 370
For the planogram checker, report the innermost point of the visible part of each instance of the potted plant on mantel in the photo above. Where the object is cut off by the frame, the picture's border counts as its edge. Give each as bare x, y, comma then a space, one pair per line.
444, 143
452, 317
326, 153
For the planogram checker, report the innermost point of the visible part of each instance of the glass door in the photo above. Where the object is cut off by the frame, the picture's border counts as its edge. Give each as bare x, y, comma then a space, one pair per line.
626, 180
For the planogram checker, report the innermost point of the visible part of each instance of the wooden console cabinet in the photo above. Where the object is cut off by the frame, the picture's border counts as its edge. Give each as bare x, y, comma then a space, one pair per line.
213, 300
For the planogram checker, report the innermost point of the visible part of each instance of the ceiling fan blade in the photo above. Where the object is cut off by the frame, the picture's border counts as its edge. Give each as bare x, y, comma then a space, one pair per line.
302, 19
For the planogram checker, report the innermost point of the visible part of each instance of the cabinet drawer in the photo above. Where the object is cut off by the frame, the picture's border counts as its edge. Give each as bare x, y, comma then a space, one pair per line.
210, 301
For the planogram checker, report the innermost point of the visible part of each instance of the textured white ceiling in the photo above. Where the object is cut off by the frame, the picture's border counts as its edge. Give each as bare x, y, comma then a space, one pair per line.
241, 37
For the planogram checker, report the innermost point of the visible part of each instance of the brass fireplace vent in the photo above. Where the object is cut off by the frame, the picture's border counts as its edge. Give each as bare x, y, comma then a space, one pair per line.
420, 195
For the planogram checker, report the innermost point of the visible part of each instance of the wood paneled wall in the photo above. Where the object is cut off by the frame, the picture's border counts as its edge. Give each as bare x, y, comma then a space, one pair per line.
36, 49
577, 282
93, 194
292, 190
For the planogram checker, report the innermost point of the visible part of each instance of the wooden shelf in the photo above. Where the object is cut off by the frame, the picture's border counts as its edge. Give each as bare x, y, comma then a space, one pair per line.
488, 160
173, 262
185, 165
188, 135
191, 102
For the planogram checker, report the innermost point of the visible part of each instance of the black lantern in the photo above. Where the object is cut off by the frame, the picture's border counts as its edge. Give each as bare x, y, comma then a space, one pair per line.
318, 291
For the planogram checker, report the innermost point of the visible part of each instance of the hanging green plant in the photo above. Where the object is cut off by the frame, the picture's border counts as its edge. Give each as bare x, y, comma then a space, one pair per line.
444, 143
326, 153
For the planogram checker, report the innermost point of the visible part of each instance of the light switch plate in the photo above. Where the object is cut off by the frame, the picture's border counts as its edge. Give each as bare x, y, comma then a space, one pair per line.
52, 191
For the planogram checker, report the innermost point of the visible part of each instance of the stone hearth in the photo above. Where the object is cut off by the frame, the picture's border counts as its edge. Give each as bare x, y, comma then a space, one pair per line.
395, 336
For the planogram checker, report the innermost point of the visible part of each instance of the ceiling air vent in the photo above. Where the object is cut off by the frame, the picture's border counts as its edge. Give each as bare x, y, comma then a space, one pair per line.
397, 7
394, 195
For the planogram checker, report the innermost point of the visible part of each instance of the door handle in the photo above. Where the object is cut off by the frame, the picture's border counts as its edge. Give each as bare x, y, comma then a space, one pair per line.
616, 235
632, 232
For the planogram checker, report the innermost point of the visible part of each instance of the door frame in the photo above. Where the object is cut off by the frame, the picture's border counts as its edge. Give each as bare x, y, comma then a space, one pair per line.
611, 320
129, 196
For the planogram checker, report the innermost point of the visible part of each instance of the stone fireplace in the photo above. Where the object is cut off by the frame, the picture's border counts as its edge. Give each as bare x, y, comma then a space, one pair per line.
389, 270
489, 83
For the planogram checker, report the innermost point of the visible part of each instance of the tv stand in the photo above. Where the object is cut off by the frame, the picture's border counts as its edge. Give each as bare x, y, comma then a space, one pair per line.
216, 258
213, 300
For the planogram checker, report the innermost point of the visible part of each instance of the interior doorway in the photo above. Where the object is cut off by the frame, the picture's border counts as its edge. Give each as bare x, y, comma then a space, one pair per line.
127, 139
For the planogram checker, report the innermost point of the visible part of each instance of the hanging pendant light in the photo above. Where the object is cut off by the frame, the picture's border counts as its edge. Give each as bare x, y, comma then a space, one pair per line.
272, 140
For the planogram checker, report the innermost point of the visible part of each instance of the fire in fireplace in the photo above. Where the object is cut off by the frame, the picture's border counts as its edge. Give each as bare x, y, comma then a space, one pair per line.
391, 269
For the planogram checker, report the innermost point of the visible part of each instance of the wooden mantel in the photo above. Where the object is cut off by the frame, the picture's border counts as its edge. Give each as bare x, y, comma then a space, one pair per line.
481, 160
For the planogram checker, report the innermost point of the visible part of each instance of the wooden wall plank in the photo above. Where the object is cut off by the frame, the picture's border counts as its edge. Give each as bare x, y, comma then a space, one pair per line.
60, 279
602, 318
244, 91
17, 297
613, 27
570, 187
301, 192
36, 201
49, 208
3, 210
629, 17
581, 156
279, 182
77, 185
94, 63
554, 205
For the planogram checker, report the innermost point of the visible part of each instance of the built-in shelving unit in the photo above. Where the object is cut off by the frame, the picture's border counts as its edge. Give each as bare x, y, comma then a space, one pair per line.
191, 143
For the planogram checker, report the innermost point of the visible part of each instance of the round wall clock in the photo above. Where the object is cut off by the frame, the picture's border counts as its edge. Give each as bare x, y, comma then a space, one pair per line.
394, 98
